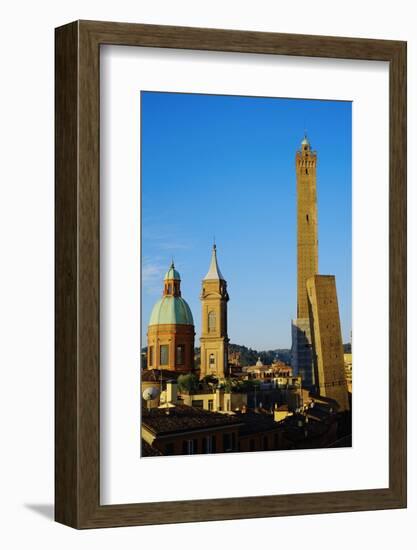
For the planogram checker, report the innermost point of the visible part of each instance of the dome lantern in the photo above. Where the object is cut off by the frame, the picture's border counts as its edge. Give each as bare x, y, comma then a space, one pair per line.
305, 144
172, 282
172, 273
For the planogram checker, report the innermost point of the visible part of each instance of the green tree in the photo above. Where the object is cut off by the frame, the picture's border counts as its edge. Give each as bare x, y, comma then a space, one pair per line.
187, 382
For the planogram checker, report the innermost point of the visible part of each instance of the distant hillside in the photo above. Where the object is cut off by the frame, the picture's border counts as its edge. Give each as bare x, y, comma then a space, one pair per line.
249, 356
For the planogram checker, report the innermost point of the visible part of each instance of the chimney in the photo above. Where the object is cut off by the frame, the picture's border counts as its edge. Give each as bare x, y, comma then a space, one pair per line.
171, 391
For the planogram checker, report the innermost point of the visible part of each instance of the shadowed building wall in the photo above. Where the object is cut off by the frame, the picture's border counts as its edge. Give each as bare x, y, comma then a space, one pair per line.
327, 342
307, 258
301, 352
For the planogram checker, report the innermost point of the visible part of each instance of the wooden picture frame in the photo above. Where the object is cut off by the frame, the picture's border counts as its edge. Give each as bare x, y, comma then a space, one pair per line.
77, 405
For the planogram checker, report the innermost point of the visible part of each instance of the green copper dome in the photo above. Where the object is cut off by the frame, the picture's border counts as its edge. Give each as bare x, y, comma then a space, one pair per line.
172, 273
171, 310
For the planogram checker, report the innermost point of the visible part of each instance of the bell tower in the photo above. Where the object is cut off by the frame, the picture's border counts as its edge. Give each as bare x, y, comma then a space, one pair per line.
307, 259
307, 246
214, 339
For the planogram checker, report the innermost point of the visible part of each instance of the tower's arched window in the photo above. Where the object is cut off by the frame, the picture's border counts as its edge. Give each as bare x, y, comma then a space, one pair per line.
212, 361
212, 321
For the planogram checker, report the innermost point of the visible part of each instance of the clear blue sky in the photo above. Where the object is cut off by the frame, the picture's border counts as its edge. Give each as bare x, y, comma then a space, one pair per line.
225, 166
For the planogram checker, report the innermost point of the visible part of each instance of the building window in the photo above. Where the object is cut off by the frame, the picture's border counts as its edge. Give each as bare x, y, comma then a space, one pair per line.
150, 355
227, 443
265, 442
198, 403
213, 443
169, 288
207, 445
212, 361
210, 404
163, 354
212, 321
276, 441
169, 449
252, 445
180, 354
189, 446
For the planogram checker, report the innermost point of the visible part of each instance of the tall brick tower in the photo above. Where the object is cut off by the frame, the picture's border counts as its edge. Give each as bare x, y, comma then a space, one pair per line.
326, 336
214, 339
307, 259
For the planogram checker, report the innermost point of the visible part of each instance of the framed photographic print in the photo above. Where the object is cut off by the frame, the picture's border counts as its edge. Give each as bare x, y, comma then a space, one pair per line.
230, 274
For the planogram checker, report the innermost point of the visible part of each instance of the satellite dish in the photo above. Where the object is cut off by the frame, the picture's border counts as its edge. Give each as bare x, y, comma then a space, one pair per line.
150, 393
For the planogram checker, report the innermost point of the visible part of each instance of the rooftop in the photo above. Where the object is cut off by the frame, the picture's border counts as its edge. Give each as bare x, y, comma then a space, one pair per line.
154, 375
297, 434
275, 367
148, 450
256, 422
183, 418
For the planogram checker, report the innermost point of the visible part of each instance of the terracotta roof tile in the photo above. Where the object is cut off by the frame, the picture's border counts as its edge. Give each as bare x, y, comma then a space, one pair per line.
183, 418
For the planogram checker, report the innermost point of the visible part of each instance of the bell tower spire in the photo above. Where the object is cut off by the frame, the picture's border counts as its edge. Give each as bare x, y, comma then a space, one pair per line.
214, 339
